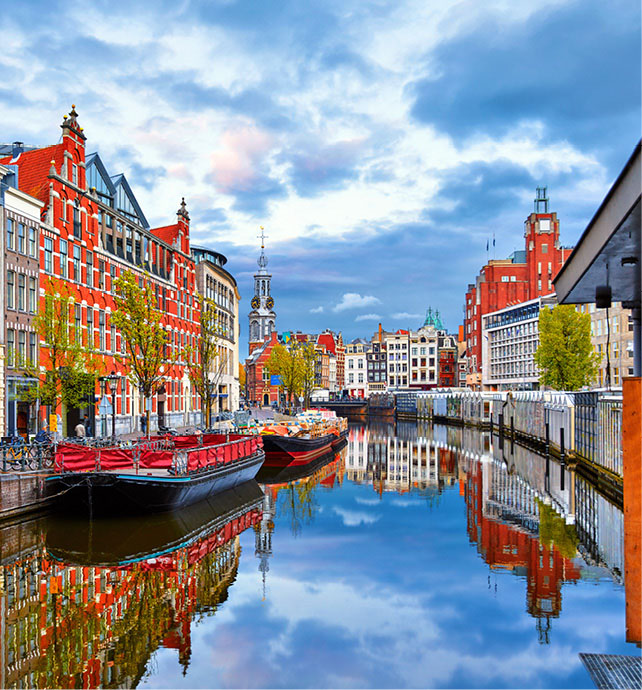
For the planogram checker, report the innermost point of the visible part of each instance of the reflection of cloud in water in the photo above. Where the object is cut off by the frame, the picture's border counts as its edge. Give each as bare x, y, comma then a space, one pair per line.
368, 501
352, 518
404, 502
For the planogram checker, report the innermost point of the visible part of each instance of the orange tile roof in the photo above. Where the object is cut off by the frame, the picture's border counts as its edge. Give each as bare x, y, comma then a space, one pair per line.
33, 169
168, 233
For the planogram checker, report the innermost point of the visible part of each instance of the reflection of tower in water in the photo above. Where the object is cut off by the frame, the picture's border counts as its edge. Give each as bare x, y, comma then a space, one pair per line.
263, 538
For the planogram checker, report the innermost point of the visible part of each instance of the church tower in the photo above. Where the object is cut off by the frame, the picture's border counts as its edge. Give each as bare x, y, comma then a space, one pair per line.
262, 318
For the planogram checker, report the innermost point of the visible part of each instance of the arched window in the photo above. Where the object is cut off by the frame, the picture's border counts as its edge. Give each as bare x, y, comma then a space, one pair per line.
270, 326
254, 330
262, 287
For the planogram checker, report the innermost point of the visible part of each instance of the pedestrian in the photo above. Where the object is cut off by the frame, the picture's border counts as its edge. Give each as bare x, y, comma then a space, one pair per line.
87, 424
81, 432
143, 423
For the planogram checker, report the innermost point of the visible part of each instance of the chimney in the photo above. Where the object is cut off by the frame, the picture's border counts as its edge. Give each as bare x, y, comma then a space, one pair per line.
380, 333
16, 149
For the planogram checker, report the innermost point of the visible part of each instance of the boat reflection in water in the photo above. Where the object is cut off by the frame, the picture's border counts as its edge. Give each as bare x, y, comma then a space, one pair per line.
89, 603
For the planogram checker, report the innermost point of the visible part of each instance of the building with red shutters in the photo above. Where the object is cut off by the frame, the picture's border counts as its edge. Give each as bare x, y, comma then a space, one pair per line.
525, 275
92, 230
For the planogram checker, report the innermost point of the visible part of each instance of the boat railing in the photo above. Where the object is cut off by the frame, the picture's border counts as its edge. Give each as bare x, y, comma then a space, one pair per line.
152, 454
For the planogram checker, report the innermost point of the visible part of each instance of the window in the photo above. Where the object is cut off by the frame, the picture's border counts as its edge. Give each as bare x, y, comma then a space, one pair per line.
48, 255
32, 295
74, 173
32, 241
90, 327
77, 322
64, 259
22, 348
101, 274
513, 279
90, 269
544, 249
77, 274
33, 351
11, 347
101, 330
21, 238
505, 279
77, 225
10, 233
112, 337
11, 289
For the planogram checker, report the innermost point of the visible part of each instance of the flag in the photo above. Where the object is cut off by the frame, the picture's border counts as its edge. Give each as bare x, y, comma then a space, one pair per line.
493, 240
486, 245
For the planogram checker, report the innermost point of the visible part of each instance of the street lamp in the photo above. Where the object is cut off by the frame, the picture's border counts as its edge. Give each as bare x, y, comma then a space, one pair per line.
113, 383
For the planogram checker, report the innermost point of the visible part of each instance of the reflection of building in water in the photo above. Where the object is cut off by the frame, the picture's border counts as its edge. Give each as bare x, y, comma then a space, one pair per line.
503, 516
84, 626
600, 527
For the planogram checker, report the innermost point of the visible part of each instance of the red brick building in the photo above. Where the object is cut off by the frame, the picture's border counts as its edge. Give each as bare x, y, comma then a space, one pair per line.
259, 386
92, 230
526, 274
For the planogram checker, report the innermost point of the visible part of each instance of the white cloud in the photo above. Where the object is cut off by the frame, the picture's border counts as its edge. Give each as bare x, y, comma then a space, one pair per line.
405, 315
317, 310
368, 317
353, 300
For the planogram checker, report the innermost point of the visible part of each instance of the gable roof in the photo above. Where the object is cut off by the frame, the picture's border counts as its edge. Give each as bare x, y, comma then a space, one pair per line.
33, 169
121, 181
167, 233
93, 159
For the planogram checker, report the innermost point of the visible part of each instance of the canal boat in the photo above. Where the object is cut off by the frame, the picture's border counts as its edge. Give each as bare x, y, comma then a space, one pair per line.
151, 476
308, 436
126, 540
282, 474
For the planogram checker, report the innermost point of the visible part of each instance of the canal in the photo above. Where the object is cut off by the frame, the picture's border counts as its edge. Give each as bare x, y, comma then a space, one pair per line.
416, 557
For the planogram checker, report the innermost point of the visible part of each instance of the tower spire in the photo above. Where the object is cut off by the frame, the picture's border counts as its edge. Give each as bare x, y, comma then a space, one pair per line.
262, 260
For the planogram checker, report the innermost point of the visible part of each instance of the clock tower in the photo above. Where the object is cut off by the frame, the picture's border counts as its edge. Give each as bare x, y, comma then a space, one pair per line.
262, 318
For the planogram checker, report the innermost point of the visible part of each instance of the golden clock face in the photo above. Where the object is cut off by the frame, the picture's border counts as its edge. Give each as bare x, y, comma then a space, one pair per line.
269, 303
255, 303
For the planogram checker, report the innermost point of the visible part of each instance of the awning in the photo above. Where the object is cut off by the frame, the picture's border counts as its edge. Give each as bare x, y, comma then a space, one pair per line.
608, 252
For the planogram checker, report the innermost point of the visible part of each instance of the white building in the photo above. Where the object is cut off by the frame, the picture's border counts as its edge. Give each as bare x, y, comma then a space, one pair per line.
356, 381
510, 338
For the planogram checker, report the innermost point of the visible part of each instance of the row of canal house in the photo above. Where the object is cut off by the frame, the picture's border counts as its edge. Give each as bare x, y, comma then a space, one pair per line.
66, 222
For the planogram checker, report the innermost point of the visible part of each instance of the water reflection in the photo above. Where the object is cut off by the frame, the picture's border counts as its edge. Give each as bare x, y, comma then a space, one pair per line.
87, 604
514, 568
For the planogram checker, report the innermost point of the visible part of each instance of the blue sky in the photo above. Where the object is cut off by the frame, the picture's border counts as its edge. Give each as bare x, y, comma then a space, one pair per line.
379, 143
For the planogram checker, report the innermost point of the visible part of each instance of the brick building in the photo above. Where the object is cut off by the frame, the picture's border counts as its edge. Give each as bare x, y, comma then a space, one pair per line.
525, 275
92, 229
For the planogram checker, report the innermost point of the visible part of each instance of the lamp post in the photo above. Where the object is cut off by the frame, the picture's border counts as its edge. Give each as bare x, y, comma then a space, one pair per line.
113, 383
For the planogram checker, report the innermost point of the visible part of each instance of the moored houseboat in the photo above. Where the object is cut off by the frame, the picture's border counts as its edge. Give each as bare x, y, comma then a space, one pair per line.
151, 476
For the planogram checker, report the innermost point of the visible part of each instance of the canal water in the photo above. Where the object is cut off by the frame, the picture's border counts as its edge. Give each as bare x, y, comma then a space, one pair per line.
417, 556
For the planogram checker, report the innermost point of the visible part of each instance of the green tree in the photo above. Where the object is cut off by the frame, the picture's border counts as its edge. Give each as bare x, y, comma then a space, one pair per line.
69, 368
286, 362
208, 361
309, 358
139, 323
565, 355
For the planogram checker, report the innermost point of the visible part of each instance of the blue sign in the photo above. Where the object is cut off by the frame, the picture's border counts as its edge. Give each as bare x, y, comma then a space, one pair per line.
275, 380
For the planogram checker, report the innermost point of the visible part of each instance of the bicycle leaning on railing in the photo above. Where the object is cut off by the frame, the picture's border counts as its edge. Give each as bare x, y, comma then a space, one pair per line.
18, 456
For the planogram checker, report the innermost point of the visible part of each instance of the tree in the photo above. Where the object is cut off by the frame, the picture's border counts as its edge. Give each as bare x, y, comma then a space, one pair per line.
208, 361
69, 376
139, 323
286, 362
309, 356
565, 355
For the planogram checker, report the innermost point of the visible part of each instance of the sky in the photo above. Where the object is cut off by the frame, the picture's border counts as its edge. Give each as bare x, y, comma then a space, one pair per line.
381, 144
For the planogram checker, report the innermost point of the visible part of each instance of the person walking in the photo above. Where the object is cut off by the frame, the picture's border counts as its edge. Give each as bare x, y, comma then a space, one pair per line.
81, 432
143, 423
87, 424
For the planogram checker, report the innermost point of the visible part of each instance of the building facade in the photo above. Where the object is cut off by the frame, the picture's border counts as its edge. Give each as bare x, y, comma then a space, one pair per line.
93, 230
612, 333
218, 287
20, 234
525, 275
510, 339
356, 383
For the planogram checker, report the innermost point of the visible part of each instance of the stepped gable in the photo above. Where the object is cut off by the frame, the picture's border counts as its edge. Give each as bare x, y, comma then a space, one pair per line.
34, 167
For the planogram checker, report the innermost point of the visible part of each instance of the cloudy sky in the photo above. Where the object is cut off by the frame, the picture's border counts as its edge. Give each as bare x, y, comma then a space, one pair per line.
380, 143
